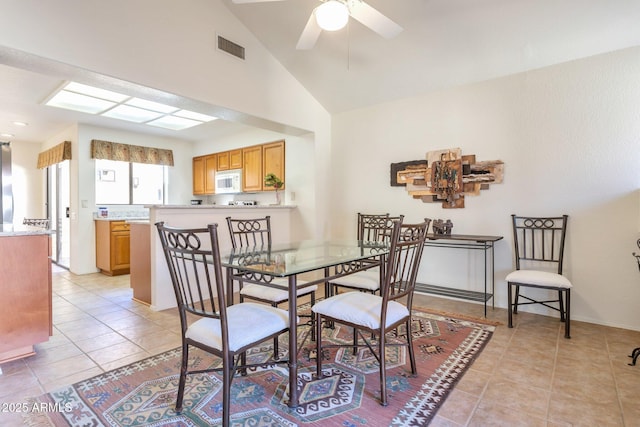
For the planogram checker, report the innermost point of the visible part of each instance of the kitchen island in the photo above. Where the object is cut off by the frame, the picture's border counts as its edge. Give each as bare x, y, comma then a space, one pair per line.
284, 226
25, 284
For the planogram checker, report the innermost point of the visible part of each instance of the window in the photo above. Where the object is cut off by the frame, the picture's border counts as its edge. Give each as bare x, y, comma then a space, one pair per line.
124, 183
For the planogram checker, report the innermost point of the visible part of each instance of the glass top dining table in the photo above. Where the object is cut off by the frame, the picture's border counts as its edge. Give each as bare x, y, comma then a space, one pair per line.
335, 258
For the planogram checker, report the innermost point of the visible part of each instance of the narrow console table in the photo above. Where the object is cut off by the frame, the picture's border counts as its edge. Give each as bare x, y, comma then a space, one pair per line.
636, 351
465, 241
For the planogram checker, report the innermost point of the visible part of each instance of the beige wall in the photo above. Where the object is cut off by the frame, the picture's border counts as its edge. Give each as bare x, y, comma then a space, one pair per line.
570, 139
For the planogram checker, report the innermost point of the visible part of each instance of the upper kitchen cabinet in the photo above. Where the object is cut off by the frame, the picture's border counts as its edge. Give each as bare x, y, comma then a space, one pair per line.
273, 161
223, 161
204, 174
252, 176
198, 175
210, 162
235, 159
229, 160
255, 161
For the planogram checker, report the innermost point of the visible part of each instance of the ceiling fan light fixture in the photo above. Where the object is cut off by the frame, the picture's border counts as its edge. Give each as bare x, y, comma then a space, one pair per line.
332, 15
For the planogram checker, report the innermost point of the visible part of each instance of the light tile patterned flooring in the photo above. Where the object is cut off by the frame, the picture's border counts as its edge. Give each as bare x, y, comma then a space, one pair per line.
527, 376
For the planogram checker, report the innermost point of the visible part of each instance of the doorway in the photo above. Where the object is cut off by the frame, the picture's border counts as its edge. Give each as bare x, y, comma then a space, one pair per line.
58, 211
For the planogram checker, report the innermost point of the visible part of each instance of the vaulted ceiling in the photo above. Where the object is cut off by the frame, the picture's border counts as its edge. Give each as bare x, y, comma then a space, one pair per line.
444, 43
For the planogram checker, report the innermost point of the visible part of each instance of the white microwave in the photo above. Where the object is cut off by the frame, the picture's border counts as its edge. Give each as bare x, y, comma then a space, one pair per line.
228, 182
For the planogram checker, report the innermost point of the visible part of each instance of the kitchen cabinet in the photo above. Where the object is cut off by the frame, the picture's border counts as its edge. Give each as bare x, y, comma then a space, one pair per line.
113, 251
210, 164
235, 159
252, 177
26, 315
255, 161
204, 174
140, 279
198, 175
223, 161
229, 160
273, 161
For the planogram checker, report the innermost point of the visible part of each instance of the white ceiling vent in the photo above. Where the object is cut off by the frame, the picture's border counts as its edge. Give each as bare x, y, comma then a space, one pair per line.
230, 47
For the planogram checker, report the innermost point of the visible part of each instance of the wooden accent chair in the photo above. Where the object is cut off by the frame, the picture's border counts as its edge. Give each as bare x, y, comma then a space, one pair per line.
193, 259
379, 314
539, 244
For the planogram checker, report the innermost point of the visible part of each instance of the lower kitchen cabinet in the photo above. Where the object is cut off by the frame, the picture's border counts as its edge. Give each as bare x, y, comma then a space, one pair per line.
113, 247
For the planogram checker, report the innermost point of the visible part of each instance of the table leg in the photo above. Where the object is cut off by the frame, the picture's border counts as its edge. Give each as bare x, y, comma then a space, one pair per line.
485, 279
293, 343
229, 286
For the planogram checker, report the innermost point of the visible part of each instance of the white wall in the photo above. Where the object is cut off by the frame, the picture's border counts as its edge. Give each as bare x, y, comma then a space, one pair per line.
570, 139
28, 182
165, 45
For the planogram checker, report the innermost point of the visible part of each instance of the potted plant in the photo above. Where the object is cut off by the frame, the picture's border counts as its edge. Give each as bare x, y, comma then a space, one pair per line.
271, 180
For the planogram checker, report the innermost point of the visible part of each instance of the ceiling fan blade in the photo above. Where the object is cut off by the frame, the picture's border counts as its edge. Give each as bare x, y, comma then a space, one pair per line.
375, 20
309, 35
252, 1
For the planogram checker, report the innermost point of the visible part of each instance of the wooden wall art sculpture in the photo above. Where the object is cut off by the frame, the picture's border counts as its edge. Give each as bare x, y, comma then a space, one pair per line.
446, 176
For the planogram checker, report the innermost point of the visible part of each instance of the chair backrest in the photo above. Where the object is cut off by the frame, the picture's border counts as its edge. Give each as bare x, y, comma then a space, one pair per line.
193, 259
37, 222
376, 228
401, 270
539, 240
250, 232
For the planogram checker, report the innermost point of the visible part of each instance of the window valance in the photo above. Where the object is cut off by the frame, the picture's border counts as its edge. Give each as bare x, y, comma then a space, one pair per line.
130, 153
55, 155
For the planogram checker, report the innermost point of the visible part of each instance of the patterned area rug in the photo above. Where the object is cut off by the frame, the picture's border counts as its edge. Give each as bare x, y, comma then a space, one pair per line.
144, 393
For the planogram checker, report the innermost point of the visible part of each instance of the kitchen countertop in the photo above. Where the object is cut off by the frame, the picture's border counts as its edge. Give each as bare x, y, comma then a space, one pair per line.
220, 206
121, 218
7, 230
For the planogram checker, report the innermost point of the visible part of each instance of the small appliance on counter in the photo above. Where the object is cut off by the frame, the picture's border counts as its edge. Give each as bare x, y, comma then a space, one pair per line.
243, 203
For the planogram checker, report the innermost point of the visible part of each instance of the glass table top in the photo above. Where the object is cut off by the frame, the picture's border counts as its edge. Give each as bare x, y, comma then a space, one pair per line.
299, 257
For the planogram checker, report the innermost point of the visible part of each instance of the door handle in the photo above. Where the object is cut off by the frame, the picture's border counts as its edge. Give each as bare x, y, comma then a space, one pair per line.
67, 211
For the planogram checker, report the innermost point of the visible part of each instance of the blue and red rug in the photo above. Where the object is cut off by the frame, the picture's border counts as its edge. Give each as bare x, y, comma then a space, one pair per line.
144, 393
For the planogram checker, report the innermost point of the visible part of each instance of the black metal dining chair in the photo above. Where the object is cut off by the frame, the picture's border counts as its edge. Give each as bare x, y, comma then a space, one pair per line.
379, 314
539, 253
372, 228
256, 233
193, 259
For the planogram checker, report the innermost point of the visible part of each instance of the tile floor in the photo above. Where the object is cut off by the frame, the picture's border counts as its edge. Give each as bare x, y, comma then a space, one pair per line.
527, 376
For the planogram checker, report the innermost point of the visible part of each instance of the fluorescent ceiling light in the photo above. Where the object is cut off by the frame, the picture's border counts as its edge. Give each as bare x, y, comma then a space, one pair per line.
92, 100
95, 92
194, 116
131, 114
173, 122
77, 102
7, 135
150, 105
21, 123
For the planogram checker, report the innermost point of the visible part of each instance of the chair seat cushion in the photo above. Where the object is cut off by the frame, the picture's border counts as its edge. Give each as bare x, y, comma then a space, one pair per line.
248, 323
368, 280
274, 295
539, 278
361, 309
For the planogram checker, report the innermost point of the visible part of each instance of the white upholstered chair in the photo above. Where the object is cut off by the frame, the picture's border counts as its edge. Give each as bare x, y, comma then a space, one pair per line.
193, 259
256, 233
371, 228
539, 253
379, 314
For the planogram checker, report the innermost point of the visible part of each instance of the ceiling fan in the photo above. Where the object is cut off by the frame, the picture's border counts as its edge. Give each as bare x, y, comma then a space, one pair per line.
332, 15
